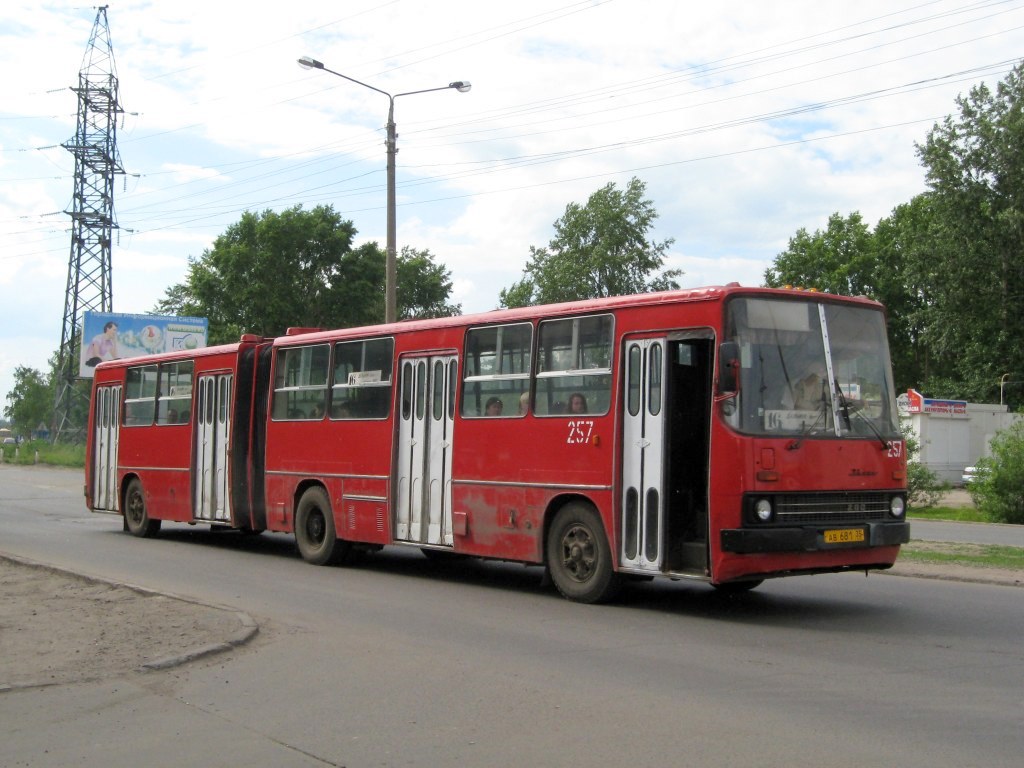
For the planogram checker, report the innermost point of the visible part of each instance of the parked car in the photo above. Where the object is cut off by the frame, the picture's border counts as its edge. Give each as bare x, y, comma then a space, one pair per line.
970, 475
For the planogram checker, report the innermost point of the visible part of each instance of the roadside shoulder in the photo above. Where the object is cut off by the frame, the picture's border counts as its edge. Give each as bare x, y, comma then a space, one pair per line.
60, 627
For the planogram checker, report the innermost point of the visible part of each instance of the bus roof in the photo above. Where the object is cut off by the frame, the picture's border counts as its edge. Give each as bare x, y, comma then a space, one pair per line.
684, 295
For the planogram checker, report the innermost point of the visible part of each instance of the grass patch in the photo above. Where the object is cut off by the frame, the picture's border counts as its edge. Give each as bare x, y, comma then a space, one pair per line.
974, 555
41, 452
954, 514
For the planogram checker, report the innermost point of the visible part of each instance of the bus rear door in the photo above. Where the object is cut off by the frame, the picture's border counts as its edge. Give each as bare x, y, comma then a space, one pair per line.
105, 439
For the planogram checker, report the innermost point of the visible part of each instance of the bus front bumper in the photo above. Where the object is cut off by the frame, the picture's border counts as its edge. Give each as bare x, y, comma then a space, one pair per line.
814, 538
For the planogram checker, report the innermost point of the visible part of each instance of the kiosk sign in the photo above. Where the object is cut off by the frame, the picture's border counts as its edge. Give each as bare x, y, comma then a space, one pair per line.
915, 403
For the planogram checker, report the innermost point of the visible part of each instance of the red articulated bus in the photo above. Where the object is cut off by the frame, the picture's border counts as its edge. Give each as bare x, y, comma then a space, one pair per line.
722, 434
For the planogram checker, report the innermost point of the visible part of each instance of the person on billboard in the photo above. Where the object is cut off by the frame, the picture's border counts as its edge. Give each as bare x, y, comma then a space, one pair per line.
103, 346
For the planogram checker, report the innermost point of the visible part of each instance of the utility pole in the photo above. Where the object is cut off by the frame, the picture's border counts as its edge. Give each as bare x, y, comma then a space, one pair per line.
92, 221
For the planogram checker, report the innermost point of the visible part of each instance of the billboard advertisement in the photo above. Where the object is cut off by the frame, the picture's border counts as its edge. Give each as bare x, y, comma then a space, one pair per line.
110, 336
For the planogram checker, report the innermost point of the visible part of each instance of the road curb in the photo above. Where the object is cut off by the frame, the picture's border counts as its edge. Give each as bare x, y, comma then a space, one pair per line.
249, 627
249, 630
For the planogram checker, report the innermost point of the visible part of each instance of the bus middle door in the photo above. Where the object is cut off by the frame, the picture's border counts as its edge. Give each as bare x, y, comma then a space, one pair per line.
212, 429
426, 424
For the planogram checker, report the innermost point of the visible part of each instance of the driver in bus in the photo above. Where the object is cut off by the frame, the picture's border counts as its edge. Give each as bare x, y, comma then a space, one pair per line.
809, 391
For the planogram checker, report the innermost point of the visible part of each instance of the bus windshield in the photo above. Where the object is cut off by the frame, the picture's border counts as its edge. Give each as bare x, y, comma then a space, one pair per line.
811, 369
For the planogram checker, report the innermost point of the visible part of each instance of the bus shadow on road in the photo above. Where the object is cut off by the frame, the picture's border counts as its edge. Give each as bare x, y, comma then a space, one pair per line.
783, 602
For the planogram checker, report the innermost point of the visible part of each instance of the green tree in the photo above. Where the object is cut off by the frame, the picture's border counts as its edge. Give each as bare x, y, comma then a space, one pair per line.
900, 240
271, 271
30, 403
599, 249
839, 259
423, 286
999, 490
974, 163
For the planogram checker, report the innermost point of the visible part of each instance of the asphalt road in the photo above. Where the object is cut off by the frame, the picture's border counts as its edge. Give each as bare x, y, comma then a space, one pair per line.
400, 662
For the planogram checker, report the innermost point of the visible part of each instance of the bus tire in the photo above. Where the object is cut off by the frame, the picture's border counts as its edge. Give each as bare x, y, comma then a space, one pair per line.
136, 519
579, 558
315, 535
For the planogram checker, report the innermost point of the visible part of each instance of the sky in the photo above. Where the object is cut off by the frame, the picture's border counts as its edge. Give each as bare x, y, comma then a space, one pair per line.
746, 120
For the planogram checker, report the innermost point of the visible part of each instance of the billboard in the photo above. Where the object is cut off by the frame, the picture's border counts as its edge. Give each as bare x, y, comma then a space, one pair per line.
110, 336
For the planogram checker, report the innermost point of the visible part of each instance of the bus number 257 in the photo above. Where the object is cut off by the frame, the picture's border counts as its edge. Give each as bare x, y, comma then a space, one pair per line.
579, 432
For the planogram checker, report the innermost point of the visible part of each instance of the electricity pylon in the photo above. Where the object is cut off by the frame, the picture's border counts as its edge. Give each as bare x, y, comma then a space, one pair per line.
92, 221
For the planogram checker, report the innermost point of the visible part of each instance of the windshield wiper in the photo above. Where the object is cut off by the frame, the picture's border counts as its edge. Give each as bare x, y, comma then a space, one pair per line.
845, 405
871, 425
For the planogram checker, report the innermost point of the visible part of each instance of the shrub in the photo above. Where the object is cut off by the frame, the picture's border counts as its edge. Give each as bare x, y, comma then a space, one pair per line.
998, 492
924, 489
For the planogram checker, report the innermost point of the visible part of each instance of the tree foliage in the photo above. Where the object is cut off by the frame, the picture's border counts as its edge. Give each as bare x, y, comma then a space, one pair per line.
949, 264
839, 259
30, 402
272, 271
974, 162
599, 249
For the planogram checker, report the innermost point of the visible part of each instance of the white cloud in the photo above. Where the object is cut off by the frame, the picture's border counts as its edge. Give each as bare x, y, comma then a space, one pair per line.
566, 98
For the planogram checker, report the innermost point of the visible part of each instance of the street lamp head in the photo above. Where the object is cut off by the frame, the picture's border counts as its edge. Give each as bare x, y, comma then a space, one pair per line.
308, 62
462, 86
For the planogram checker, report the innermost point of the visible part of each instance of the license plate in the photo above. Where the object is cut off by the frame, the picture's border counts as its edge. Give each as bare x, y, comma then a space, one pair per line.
845, 536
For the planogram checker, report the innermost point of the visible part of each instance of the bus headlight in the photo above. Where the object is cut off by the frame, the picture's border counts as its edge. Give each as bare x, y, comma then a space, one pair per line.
897, 506
763, 510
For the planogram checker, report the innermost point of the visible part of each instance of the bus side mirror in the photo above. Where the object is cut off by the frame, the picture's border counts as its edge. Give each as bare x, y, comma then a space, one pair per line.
728, 367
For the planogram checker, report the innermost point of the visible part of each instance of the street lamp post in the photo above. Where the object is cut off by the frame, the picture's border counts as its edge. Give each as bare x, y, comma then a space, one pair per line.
391, 142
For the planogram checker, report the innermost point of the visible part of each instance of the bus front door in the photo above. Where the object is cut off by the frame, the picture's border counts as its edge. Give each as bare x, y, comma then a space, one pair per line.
643, 455
104, 460
212, 428
424, 495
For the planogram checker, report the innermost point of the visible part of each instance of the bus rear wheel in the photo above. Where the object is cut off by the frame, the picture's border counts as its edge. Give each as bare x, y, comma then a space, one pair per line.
579, 558
314, 529
136, 519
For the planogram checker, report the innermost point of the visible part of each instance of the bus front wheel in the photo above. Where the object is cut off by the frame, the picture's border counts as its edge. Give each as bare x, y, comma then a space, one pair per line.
579, 558
314, 529
136, 519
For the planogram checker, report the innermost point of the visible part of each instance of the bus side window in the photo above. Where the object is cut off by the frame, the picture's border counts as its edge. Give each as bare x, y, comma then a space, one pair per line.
497, 370
574, 366
300, 382
362, 379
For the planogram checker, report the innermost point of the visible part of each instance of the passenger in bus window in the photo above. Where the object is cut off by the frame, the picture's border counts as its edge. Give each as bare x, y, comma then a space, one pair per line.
316, 412
494, 407
524, 403
577, 403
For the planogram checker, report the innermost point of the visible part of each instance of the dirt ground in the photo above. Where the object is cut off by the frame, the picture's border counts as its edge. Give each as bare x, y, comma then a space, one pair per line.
56, 627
